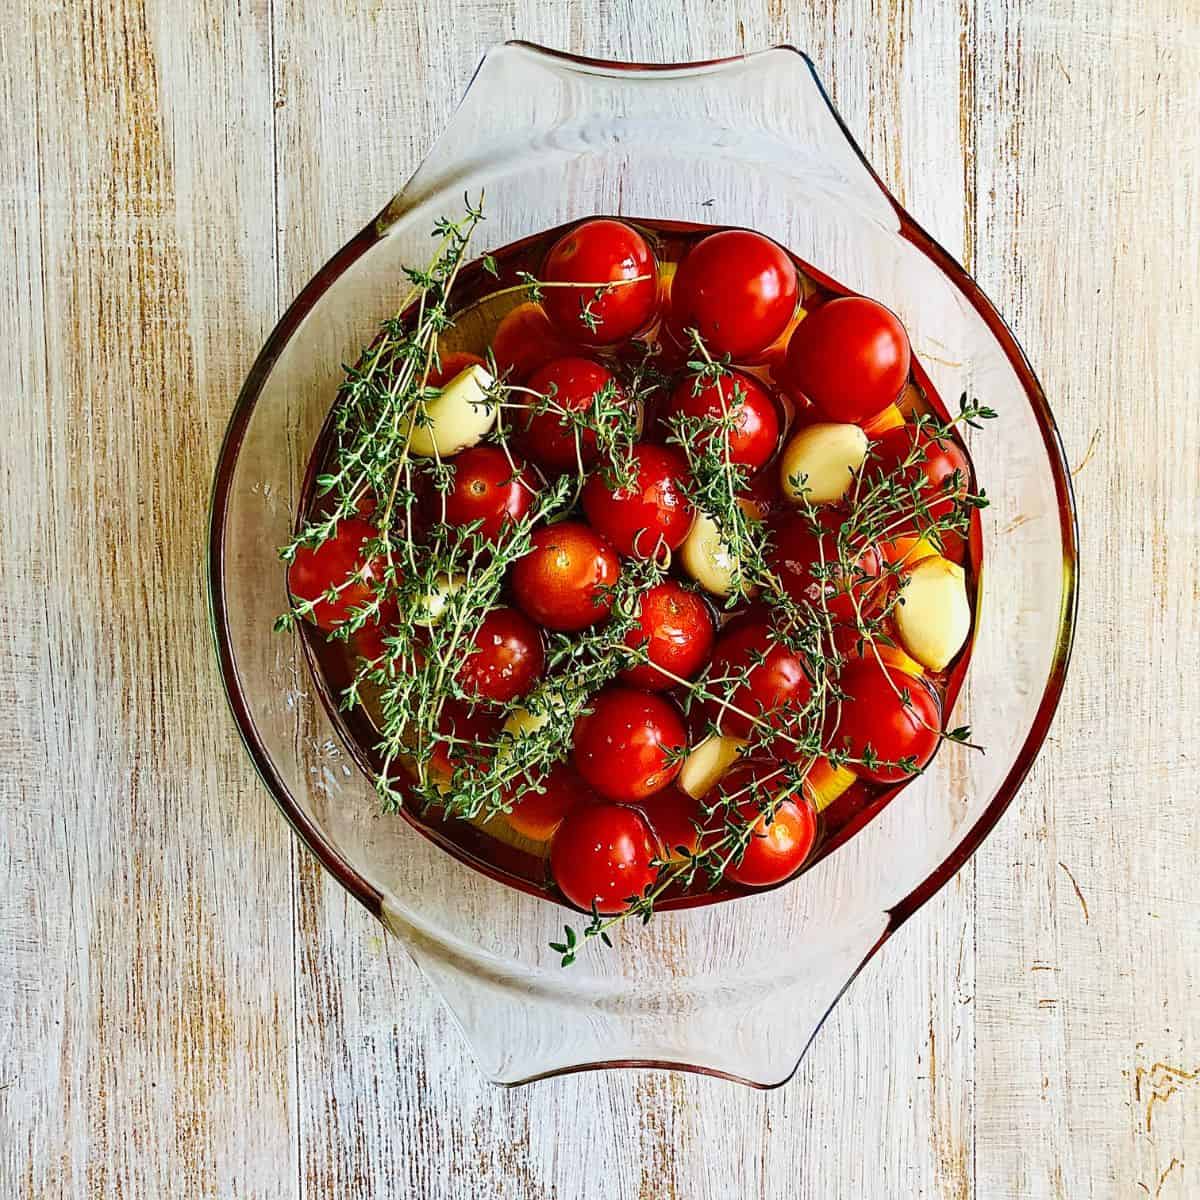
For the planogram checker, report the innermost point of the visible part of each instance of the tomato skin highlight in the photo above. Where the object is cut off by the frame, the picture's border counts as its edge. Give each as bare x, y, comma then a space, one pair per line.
601, 251
652, 514
339, 558
874, 715
755, 435
572, 383
490, 489
675, 628
561, 582
778, 848
536, 815
630, 745
738, 290
508, 657
758, 676
795, 550
603, 855
525, 340
851, 358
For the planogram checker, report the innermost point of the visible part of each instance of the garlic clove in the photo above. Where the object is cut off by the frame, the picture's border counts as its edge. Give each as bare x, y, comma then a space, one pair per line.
933, 617
703, 768
458, 417
819, 463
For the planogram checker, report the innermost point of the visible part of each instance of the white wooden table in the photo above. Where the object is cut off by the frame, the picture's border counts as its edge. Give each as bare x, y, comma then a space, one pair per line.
187, 1007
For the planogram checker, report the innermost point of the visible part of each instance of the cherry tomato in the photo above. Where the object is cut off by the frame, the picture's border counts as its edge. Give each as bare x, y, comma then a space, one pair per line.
653, 513
798, 556
631, 744
562, 582
367, 641
778, 847
339, 560
738, 290
572, 384
601, 252
488, 488
676, 819
603, 855
940, 470
895, 714
850, 357
756, 675
675, 628
508, 657
537, 814
524, 340
467, 738
454, 362
764, 494
755, 433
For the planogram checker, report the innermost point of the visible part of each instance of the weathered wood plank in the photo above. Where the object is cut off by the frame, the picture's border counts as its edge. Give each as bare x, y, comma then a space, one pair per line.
146, 942
1088, 154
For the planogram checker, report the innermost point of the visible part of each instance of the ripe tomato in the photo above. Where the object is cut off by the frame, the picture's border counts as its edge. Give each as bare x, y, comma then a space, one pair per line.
675, 628
601, 252
850, 357
676, 819
631, 744
796, 554
339, 560
488, 488
507, 660
653, 513
454, 362
367, 640
563, 582
737, 289
603, 855
755, 434
524, 340
572, 384
537, 814
940, 470
467, 739
895, 714
756, 675
778, 847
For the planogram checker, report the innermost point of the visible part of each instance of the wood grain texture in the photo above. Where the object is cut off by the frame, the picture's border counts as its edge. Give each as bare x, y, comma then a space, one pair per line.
187, 1006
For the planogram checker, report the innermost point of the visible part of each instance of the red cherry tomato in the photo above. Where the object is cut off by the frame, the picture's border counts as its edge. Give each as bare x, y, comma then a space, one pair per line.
940, 470
630, 745
601, 252
339, 560
454, 362
653, 513
488, 488
572, 384
896, 715
562, 582
755, 434
467, 739
850, 357
797, 555
507, 660
537, 814
603, 855
524, 340
368, 640
778, 847
676, 819
675, 628
765, 494
757, 676
738, 290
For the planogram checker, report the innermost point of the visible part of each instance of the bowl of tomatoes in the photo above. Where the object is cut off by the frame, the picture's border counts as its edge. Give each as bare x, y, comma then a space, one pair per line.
646, 592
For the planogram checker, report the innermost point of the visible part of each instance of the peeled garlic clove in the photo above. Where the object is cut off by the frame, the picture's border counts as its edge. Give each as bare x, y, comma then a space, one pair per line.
458, 417
706, 557
820, 462
703, 768
433, 603
933, 617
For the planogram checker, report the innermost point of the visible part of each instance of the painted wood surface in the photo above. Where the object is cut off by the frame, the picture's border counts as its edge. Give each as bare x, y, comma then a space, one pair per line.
187, 1007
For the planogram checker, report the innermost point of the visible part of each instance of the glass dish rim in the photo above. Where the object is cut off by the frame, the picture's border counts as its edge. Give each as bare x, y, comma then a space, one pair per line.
909, 229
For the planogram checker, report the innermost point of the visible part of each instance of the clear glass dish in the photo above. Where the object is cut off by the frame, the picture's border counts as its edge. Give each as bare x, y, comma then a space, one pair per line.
740, 988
